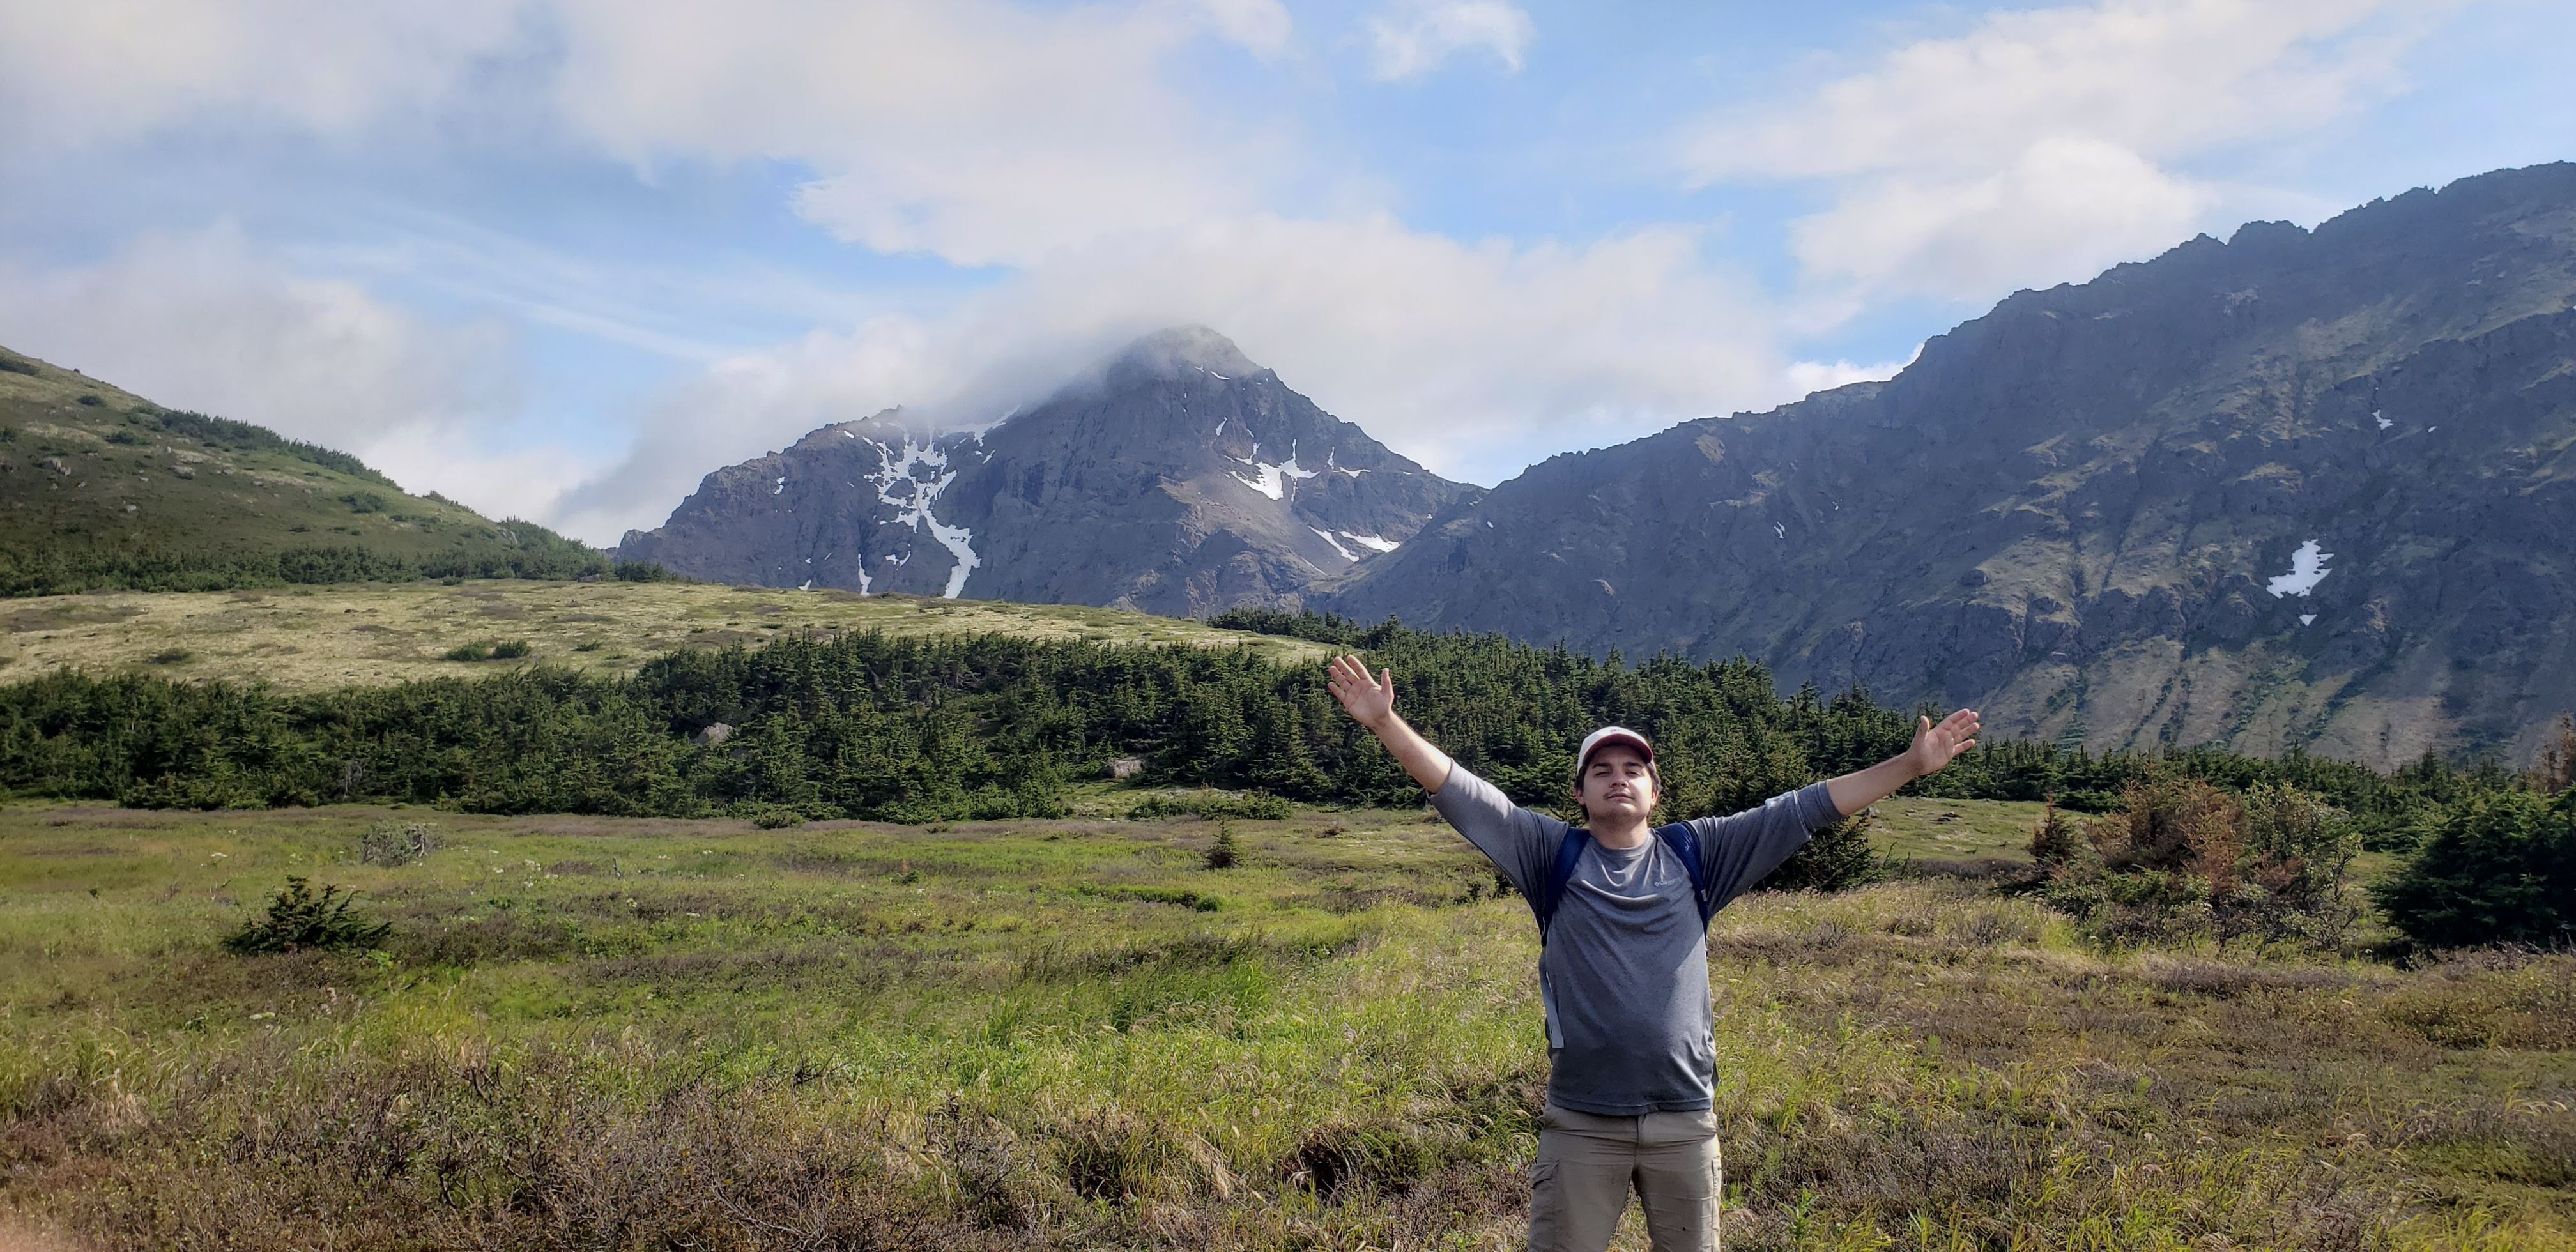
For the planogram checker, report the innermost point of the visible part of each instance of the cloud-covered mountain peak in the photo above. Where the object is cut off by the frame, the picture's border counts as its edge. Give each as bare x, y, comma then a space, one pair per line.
1182, 478
1177, 349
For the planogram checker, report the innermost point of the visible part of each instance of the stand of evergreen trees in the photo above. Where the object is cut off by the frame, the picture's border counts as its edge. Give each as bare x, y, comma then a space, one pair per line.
921, 729
518, 550
984, 727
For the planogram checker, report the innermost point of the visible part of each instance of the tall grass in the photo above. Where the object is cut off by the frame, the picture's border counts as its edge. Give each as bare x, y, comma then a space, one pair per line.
643, 1034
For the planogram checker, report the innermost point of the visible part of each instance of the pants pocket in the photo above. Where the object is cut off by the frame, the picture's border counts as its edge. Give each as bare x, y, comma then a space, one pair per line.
1547, 1204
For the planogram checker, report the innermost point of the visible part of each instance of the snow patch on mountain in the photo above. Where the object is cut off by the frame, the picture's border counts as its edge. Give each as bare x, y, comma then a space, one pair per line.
919, 496
2307, 569
1274, 479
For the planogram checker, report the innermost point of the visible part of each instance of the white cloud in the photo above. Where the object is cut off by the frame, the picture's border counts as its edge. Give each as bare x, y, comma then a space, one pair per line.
1410, 38
1474, 359
981, 132
2041, 144
1806, 378
2160, 77
76, 73
1260, 27
205, 320
2066, 208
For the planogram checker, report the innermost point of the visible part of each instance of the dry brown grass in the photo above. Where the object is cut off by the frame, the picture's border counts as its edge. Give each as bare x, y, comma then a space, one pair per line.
20, 1235
315, 638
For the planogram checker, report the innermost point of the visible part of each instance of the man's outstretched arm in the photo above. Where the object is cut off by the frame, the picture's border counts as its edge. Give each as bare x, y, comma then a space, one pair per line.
1934, 747
1521, 844
1371, 702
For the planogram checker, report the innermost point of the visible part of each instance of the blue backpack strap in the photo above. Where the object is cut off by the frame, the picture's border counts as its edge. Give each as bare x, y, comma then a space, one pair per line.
1553, 890
1684, 841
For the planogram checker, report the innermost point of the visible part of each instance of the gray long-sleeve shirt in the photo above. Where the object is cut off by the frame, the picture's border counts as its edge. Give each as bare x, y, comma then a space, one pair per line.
1624, 974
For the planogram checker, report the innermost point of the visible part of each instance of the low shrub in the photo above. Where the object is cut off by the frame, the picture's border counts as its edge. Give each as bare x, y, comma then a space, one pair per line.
2058, 839
2184, 860
390, 842
1840, 857
488, 650
1213, 805
777, 818
2090, 800
2497, 868
298, 919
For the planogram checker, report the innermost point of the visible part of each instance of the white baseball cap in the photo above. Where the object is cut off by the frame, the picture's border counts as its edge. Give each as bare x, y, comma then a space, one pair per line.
1611, 734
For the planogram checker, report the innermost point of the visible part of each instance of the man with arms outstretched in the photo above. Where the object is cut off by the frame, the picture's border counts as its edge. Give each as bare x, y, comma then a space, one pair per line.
1623, 915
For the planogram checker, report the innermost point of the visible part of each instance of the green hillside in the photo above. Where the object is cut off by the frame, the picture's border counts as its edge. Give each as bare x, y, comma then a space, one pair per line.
100, 488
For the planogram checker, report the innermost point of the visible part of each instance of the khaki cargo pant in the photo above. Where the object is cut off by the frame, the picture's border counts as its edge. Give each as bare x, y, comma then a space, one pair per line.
1587, 1164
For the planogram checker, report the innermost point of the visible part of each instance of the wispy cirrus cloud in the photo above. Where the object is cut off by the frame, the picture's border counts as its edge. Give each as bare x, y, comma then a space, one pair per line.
1411, 38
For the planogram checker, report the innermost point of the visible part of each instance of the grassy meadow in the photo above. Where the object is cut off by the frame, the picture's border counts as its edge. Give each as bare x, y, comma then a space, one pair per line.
610, 1033
371, 634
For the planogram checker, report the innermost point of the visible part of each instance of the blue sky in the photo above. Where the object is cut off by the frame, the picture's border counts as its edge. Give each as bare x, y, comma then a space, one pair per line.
558, 258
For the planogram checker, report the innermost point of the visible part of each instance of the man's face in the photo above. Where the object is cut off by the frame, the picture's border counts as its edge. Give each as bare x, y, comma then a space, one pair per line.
1617, 785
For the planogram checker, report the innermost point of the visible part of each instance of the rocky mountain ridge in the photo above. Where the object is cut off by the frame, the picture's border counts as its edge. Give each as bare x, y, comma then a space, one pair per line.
2297, 489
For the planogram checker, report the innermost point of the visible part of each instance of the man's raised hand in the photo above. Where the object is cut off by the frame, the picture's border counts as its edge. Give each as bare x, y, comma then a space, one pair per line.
1369, 701
1936, 746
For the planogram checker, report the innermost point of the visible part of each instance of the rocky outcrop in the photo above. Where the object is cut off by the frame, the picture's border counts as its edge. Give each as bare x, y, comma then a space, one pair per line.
1180, 478
2304, 488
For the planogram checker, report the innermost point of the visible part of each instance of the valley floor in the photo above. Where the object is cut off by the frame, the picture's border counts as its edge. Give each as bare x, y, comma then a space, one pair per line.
627, 1033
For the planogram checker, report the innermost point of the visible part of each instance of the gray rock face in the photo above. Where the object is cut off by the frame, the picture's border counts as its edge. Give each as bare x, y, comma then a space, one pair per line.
2090, 512
1182, 479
